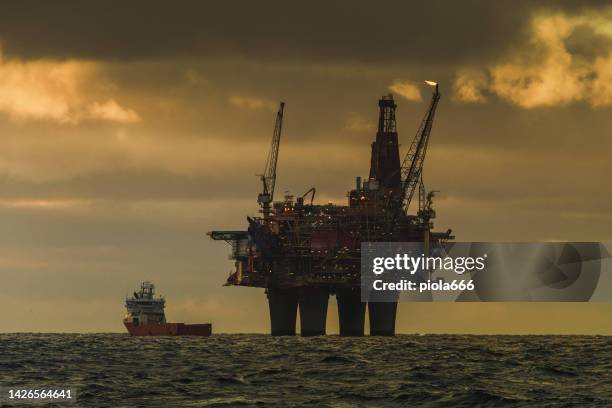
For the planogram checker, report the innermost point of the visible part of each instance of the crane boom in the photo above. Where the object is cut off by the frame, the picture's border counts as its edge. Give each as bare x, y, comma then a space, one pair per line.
268, 178
412, 166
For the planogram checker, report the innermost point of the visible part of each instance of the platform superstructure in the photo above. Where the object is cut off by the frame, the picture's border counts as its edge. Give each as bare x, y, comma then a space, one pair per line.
302, 252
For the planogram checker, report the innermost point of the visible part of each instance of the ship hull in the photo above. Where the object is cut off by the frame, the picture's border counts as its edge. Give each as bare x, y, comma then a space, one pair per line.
169, 329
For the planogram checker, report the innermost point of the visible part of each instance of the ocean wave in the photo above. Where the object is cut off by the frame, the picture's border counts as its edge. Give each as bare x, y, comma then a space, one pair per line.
257, 370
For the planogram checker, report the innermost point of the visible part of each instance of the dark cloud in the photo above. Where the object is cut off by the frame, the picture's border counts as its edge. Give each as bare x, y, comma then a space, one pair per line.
586, 43
382, 32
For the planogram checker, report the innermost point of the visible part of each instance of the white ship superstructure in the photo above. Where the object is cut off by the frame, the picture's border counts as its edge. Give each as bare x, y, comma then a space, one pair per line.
144, 308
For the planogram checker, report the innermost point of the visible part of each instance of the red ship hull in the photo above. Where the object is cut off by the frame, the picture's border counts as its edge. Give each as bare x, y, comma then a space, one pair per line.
169, 329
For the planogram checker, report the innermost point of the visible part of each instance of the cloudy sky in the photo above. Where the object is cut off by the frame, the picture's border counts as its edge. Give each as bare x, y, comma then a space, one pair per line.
127, 131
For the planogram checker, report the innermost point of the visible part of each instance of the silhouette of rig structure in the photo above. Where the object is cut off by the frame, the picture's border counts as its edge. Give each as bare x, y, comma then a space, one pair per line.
302, 252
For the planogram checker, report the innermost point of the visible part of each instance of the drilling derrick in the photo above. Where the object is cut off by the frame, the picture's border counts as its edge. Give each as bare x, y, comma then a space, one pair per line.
385, 159
302, 252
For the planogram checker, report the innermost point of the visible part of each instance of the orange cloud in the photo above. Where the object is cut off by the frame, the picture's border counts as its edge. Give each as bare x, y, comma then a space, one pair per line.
111, 110
63, 92
252, 103
356, 123
543, 72
34, 203
550, 80
407, 90
469, 86
601, 87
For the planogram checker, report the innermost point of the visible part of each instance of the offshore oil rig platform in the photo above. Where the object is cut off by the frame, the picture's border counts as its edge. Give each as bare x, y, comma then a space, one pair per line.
302, 252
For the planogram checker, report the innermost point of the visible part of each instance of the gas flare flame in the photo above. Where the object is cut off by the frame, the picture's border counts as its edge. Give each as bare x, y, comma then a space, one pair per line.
431, 83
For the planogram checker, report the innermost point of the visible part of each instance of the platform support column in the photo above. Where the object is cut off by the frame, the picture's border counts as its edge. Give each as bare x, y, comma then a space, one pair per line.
313, 310
382, 318
351, 312
283, 305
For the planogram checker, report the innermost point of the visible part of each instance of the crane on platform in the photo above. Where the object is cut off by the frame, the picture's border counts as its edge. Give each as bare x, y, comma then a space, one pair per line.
412, 165
268, 178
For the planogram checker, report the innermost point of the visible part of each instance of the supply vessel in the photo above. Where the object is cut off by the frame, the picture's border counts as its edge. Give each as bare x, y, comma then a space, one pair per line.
145, 316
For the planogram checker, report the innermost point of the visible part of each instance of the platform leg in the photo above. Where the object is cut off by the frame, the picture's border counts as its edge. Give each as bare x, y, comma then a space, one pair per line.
382, 318
351, 312
283, 310
313, 310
